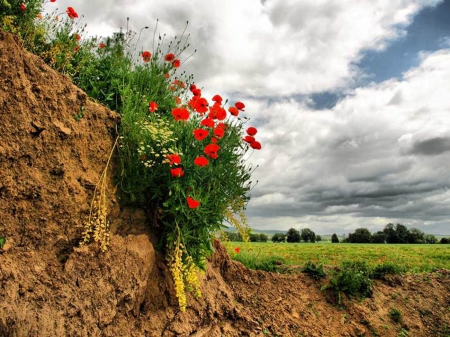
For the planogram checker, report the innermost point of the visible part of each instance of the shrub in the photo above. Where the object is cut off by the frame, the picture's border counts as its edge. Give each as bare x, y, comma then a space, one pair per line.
313, 270
395, 315
352, 278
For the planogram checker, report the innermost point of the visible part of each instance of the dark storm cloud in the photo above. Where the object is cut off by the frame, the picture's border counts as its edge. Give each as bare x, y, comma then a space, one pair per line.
431, 147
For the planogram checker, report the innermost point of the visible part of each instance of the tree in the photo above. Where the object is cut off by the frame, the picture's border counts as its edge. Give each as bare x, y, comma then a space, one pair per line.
279, 237
293, 235
402, 233
415, 236
308, 235
263, 237
318, 238
361, 235
391, 234
334, 238
379, 237
430, 238
445, 240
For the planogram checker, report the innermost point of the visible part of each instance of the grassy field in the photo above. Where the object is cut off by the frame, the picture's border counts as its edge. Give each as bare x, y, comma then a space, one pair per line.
414, 258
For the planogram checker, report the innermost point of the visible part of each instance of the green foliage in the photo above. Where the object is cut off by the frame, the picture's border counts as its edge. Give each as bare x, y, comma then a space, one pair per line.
259, 262
308, 235
278, 237
314, 270
352, 278
334, 238
395, 315
381, 270
2, 241
293, 235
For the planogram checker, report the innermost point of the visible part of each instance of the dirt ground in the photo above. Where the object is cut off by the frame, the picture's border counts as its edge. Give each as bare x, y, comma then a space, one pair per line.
50, 162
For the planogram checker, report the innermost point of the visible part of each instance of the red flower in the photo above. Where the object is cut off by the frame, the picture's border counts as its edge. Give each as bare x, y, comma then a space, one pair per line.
217, 112
222, 126
174, 159
201, 161
219, 132
152, 107
208, 122
77, 37
214, 140
102, 45
217, 99
177, 172
239, 105
255, 145
237, 250
211, 150
251, 131
52, 0
200, 134
167, 75
146, 56
192, 203
201, 105
233, 110
180, 114
71, 13
196, 92
176, 63
249, 139
192, 87
23, 7
169, 57
177, 100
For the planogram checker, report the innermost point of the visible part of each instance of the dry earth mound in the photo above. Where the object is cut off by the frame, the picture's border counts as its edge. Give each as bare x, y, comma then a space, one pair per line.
54, 144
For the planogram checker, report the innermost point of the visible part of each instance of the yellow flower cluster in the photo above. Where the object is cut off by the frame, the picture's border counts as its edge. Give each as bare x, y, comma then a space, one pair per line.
160, 138
184, 274
235, 215
97, 225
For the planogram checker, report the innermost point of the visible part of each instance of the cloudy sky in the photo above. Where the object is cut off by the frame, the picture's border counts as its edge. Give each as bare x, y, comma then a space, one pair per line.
351, 99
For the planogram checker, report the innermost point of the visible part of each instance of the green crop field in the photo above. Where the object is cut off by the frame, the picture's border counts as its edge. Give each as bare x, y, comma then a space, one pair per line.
412, 257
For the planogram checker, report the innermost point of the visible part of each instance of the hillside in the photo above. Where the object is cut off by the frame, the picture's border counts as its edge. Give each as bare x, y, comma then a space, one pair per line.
51, 157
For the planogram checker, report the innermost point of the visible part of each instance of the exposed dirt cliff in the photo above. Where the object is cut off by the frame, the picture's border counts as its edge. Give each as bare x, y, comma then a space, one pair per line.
54, 144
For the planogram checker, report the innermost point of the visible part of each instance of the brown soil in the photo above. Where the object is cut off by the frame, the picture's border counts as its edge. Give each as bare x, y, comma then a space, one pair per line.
49, 164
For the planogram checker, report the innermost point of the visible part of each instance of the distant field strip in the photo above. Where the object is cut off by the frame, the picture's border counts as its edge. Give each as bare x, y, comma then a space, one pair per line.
414, 258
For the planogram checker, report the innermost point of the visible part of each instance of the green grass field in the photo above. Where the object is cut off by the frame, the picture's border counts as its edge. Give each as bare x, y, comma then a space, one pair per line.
414, 258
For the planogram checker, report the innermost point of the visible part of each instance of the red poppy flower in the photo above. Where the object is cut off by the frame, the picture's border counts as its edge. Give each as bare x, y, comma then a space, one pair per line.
222, 126
192, 87
102, 45
167, 75
251, 131
214, 140
177, 100
208, 122
217, 112
77, 37
180, 114
237, 250
255, 145
239, 105
177, 172
192, 203
217, 99
200, 134
176, 63
146, 56
152, 107
249, 139
52, 0
71, 13
233, 110
169, 57
211, 150
196, 92
201, 105
219, 132
201, 161
174, 159
23, 7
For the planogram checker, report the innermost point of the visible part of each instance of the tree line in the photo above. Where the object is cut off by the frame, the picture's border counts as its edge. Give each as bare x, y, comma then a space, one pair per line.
390, 234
